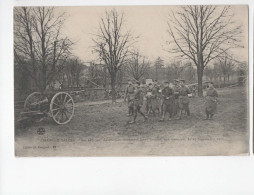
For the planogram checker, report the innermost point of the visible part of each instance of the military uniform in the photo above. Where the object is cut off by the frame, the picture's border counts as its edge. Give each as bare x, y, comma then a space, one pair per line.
129, 94
156, 87
153, 101
148, 93
176, 102
159, 97
184, 100
137, 103
167, 102
211, 102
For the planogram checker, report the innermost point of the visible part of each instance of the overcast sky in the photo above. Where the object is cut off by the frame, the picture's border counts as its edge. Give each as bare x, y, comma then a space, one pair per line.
149, 22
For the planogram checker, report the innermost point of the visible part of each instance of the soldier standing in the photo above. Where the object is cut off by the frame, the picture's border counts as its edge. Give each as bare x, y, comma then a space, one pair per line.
157, 87
129, 94
152, 99
211, 101
176, 94
138, 102
183, 99
156, 99
168, 101
148, 98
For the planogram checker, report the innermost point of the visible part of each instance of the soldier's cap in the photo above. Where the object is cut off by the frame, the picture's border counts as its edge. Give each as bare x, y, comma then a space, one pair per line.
137, 82
176, 80
166, 82
182, 80
155, 80
150, 84
211, 82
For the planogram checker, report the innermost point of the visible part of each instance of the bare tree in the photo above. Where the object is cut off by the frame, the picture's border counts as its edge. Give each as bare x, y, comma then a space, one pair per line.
242, 72
38, 46
113, 43
137, 66
159, 63
189, 72
73, 71
121, 75
202, 33
226, 65
96, 74
216, 72
178, 68
209, 73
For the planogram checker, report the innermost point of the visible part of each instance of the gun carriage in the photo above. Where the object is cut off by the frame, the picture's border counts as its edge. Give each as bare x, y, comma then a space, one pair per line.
57, 105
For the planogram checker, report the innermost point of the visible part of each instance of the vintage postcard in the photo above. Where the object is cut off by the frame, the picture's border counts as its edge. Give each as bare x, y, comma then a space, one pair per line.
131, 80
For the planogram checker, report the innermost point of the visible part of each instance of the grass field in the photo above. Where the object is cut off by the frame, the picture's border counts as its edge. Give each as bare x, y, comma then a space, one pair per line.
103, 130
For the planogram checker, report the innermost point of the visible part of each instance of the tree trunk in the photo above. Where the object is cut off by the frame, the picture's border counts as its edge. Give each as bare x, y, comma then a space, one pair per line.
105, 78
77, 81
200, 71
200, 81
113, 86
44, 79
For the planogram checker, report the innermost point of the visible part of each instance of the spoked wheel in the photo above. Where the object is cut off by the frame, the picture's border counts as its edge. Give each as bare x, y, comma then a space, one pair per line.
34, 101
62, 108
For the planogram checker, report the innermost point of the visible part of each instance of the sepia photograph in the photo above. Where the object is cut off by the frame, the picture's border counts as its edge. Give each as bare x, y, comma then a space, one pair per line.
131, 80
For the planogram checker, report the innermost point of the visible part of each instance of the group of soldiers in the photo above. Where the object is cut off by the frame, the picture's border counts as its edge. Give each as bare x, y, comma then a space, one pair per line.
169, 98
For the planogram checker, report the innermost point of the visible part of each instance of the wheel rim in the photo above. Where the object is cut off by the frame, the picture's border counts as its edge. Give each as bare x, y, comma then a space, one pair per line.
32, 101
62, 108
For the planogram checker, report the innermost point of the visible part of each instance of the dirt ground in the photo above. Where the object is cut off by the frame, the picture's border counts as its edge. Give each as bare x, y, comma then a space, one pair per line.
103, 130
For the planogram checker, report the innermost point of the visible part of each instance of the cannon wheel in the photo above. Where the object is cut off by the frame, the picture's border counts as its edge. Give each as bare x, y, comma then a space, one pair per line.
62, 108
32, 99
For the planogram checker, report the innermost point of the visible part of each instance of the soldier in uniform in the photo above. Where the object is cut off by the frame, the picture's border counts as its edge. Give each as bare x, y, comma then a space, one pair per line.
211, 101
176, 94
156, 99
138, 102
168, 101
148, 98
129, 95
152, 99
194, 91
183, 99
159, 99
156, 85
